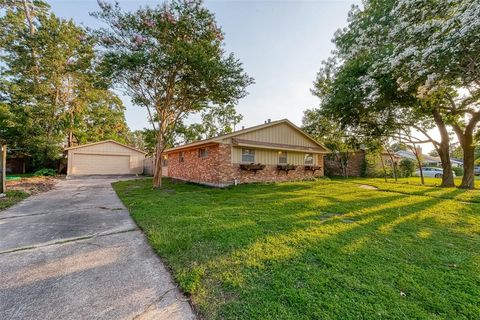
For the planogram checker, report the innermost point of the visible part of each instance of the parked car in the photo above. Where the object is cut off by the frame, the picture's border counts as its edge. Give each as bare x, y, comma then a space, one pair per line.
477, 171
432, 172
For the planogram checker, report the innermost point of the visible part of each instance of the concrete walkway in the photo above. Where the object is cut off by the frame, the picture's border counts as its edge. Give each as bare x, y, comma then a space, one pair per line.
75, 253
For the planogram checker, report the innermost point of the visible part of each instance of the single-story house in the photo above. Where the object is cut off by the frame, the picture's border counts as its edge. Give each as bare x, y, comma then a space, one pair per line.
274, 151
104, 158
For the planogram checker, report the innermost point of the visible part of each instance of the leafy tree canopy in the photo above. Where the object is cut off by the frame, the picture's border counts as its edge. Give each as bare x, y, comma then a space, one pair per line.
52, 93
169, 59
407, 64
215, 121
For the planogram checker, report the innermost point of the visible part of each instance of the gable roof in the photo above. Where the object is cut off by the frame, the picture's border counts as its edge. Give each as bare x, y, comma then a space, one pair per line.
218, 139
104, 141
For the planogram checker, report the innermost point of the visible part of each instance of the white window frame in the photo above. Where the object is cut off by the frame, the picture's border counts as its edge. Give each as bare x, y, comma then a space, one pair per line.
280, 156
307, 155
251, 153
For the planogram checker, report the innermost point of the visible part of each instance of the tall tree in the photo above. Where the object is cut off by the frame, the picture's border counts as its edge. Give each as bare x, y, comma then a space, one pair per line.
50, 84
170, 60
341, 142
436, 51
360, 85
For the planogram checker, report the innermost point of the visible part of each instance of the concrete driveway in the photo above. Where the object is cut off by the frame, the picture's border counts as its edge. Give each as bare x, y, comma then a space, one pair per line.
75, 253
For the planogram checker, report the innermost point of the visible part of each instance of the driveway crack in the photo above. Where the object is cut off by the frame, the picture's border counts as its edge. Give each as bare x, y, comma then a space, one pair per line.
25, 215
93, 236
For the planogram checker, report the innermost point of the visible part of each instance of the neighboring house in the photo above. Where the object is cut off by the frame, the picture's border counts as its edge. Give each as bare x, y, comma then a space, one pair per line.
274, 151
427, 160
104, 158
456, 163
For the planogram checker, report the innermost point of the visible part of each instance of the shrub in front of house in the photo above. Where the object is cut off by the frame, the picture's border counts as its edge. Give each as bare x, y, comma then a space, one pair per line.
406, 168
373, 166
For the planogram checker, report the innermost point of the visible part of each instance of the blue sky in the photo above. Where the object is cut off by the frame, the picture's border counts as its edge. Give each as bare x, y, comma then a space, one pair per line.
280, 43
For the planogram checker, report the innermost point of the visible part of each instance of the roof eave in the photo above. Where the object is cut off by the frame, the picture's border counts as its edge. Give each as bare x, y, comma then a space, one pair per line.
104, 141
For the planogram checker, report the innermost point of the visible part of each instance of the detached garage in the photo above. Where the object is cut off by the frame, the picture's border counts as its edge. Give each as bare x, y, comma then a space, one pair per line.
104, 158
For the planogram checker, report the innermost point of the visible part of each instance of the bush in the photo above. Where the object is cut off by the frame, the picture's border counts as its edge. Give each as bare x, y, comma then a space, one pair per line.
364, 168
45, 172
406, 168
458, 171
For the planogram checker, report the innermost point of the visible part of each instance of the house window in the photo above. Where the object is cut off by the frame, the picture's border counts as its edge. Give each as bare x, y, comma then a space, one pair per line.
309, 159
202, 152
282, 157
180, 157
165, 160
248, 155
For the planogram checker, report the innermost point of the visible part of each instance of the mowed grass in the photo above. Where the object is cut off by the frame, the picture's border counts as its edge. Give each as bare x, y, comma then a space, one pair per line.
417, 181
314, 250
413, 186
12, 197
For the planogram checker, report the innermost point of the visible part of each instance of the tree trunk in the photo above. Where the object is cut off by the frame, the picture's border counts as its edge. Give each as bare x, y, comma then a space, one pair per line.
70, 139
70, 129
28, 16
157, 176
465, 137
468, 147
447, 177
394, 165
3, 167
468, 179
419, 162
444, 151
383, 167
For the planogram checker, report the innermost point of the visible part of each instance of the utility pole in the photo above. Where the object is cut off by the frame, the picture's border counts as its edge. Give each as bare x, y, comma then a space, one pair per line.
3, 167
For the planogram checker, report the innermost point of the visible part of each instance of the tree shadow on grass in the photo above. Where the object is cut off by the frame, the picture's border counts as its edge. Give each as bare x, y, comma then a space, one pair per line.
425, 190
319, 251
362, 270
234, 222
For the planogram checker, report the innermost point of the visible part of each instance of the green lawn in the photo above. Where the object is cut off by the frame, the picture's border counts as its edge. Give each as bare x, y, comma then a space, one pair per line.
412, 186
315, 250
12, 198
416, 180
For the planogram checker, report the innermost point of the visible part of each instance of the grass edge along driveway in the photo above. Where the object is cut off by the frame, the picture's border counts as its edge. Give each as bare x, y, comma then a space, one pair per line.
313, 250
11, 198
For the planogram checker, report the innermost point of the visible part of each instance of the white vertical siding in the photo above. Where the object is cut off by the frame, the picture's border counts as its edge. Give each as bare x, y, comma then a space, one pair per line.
281, 133
89, 160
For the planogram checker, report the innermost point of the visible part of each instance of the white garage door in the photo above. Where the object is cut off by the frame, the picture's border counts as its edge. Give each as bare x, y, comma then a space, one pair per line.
84, 164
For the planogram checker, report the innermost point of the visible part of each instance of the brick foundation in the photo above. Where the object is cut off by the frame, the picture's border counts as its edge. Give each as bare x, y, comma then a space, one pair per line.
218, 170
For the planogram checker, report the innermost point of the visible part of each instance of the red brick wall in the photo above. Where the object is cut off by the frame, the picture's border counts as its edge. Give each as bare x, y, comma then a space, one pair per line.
194, 168
354, 166
217, 169
355, 162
